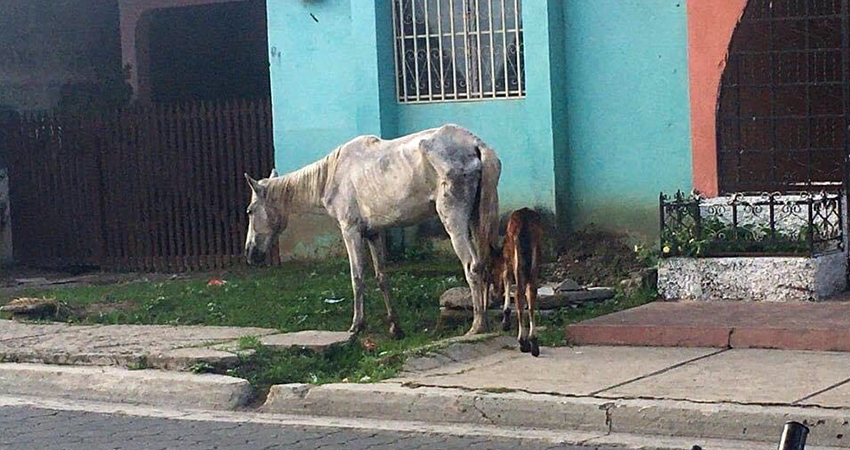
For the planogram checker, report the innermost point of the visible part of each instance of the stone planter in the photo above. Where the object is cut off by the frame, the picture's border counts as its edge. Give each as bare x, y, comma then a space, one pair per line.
776, 279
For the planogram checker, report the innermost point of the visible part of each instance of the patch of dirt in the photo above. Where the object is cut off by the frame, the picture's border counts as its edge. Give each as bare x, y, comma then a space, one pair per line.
593, 257
16, 279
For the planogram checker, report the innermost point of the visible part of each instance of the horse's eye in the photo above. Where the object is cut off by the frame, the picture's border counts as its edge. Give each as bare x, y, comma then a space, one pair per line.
248, 212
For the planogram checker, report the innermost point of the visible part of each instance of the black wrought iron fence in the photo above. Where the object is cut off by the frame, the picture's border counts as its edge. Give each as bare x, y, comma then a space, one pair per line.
766, 224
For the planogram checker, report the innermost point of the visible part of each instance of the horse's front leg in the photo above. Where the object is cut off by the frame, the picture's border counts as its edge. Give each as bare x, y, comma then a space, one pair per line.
378, 247
354, 241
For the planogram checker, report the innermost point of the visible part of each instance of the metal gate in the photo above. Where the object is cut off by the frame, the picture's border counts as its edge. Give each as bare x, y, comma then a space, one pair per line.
152, 188
782, 121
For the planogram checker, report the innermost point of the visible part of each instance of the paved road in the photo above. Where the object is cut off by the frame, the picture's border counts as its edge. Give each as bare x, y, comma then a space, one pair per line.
32, 428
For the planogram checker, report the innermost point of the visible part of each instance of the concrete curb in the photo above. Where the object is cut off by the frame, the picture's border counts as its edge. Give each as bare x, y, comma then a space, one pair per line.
454, 350
111, 384
829, 427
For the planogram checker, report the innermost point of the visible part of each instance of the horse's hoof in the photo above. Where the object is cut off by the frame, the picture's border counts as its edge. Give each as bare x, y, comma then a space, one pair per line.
535, 347
506, 320
524, 346
395, 332
356, 328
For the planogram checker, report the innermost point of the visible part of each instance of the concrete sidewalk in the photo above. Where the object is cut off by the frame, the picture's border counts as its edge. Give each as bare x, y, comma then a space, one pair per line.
696, 392
104, 362
596, 391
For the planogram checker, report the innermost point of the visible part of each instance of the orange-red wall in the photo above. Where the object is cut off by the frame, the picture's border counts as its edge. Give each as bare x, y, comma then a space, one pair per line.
710, 27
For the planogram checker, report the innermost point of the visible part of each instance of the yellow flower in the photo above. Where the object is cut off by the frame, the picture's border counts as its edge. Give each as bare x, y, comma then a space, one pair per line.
666, 249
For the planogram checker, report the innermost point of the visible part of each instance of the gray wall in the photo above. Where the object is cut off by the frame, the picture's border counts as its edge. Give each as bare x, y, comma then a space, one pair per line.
59, 52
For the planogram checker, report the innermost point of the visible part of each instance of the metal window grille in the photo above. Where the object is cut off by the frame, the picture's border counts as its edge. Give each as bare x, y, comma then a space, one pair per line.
458, 50
783, 109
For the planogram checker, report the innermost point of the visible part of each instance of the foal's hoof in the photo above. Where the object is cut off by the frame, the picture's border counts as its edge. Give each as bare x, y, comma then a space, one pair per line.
524, 346
395, 332
506, 320
535, 347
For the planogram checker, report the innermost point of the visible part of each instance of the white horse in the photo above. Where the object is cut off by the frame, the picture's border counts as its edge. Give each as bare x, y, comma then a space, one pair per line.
369, 185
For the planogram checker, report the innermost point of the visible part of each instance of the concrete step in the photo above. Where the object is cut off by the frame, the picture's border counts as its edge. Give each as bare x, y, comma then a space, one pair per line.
787, 326
112, 384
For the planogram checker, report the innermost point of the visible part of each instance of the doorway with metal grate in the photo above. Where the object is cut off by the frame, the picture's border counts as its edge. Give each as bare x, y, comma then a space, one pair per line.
782, 118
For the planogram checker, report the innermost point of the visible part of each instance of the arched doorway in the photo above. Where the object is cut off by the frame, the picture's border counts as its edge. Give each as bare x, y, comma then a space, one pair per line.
783, 106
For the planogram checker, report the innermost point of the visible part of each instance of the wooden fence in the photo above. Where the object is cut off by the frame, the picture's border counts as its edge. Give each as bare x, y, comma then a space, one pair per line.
149, 188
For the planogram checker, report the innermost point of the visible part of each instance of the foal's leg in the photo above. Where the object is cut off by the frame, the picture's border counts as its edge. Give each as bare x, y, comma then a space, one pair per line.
506, 308
531, 298
522, 337
357, 260
378, 247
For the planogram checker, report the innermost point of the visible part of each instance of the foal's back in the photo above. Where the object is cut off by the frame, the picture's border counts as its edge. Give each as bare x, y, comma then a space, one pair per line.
522, 245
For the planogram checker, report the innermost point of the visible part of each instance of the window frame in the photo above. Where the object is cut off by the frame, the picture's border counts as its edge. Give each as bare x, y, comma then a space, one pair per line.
464, 52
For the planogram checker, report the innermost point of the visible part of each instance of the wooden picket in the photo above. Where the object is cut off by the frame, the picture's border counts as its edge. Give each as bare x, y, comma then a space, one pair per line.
156, 188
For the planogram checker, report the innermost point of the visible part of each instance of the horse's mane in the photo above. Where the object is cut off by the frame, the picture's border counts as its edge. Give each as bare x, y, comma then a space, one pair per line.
303, 187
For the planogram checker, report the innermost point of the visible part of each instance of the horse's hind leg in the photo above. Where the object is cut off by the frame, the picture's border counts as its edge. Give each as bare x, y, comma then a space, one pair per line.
354, 244
377, 245
473, 269
454, 206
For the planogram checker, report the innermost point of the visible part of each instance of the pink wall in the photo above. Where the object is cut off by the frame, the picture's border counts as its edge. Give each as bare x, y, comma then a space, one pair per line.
131, 12
710, 27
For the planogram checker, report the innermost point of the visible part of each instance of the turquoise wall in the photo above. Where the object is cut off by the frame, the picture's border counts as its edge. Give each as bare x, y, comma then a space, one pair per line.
330, 84
604, 126
324, 76
627, 113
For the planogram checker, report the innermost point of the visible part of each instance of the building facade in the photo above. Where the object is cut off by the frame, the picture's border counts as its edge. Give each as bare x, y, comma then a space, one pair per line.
591, 123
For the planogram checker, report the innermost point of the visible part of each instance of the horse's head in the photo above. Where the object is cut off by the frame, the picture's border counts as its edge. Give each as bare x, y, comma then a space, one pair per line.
265, 221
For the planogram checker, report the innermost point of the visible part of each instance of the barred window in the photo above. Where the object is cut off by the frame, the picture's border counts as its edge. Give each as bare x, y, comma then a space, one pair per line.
449, 50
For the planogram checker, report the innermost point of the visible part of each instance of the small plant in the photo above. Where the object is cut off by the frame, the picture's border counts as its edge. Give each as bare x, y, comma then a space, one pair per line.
647, 255
419, 252
202, 367
249, 343
141, 364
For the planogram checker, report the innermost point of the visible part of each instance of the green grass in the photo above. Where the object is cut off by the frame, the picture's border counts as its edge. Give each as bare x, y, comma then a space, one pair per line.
290, 297
300, 296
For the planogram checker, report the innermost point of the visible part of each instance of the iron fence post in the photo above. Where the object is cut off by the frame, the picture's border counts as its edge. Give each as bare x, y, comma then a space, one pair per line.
661, 223
841, 219
793, 436
697, 220
734, 218
772, 210
811, 230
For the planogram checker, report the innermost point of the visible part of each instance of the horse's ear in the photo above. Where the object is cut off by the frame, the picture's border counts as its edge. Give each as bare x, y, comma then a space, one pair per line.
255, 186
274, 174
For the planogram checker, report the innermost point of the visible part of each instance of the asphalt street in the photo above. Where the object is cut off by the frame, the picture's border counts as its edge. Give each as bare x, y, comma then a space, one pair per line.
33, 428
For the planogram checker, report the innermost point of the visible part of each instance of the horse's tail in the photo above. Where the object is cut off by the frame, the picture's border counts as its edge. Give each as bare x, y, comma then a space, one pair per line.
487, 202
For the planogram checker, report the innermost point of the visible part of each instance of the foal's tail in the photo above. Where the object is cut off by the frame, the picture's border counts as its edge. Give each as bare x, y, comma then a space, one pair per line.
487, 220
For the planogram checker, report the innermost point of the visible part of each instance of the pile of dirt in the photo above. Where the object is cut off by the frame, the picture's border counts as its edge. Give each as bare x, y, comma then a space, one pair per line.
593, 257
